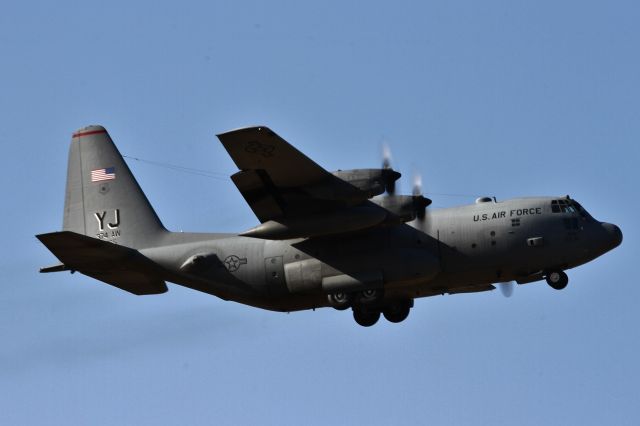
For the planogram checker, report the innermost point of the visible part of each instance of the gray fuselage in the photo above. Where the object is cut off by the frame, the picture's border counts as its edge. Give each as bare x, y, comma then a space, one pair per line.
452, 250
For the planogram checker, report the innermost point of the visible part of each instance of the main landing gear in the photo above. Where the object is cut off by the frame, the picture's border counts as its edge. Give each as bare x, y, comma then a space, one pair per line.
365, 317
340, 300
397, 311
369, 305
557, 279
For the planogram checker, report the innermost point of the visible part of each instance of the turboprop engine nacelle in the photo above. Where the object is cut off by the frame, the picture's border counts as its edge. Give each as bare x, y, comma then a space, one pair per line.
372, 181
405, 208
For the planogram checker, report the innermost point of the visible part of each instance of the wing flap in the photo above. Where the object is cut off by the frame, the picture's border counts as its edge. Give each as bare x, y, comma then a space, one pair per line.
119, 266
260, 193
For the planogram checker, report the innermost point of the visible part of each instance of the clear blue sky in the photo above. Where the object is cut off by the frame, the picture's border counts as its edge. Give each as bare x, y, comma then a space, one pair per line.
503, 98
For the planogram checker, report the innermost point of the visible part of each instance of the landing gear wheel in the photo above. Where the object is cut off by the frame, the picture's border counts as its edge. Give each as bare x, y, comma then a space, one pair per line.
339, 300
365, 317
397, 311
370, 296
557, 280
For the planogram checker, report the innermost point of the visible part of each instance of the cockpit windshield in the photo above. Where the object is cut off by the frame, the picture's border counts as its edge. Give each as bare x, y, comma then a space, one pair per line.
569, 206
563, 206
581, 210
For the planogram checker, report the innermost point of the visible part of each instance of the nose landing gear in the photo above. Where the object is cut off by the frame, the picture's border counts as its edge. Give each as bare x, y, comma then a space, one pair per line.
557, 279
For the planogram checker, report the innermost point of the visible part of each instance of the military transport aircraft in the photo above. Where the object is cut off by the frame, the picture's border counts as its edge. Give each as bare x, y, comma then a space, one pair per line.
342, 239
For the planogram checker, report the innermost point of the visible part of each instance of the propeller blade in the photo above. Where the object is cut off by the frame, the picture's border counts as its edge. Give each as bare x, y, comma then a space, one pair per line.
420, 203
417, 184
386, 156
390, 175
506, 288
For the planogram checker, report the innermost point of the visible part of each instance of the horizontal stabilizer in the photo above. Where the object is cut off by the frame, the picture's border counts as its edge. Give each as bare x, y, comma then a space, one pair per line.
55, 268
110, 263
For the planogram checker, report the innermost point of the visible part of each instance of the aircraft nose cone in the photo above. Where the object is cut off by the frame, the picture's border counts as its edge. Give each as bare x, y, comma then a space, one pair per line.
614, 233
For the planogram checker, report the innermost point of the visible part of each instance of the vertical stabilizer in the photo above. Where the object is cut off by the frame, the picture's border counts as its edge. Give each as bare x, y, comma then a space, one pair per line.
103, 199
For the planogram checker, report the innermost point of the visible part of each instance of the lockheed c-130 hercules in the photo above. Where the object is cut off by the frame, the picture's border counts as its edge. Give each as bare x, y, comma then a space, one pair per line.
341, 239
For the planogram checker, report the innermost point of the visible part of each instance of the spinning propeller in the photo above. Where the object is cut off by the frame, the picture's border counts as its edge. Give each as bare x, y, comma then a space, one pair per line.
506, 288
420, 202
390, 175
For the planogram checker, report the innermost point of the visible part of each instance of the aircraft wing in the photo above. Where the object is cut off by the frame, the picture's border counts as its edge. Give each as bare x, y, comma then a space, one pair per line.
116, 265
259, 148
285, 188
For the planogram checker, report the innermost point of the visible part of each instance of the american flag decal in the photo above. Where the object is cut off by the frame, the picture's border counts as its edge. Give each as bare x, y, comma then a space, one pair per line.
103, 174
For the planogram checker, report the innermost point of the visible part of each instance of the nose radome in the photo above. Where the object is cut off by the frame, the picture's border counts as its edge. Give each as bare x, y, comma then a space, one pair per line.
614, 232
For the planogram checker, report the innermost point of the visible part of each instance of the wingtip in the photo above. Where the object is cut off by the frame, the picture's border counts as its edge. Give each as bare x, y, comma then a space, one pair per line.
89, 130
244, 129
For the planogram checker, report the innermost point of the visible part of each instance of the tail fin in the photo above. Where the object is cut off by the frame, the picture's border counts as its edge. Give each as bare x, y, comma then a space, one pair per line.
103, 199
